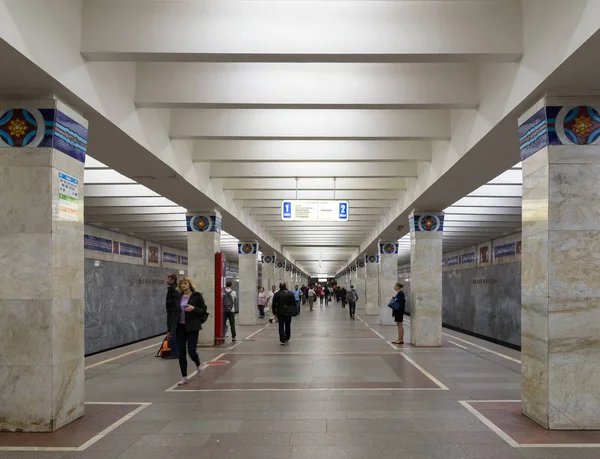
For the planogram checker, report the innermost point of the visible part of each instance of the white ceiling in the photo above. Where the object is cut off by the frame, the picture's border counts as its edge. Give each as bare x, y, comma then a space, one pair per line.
223, 105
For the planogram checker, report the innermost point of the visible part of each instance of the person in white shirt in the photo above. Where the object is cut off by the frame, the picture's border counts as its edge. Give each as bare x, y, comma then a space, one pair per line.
272, 317
311, 297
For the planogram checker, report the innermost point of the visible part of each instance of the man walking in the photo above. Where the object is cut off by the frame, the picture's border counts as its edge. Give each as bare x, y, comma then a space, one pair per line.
297, 295
284, 306
229, 309
304, 290
171, 303
343, 296
311, 297
352, 298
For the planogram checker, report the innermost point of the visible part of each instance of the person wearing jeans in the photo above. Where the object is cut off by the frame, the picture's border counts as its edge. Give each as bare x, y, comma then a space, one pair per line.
284, 306
186, 323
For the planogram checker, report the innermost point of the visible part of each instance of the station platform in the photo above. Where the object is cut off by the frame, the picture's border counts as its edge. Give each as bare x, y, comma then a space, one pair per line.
339, 389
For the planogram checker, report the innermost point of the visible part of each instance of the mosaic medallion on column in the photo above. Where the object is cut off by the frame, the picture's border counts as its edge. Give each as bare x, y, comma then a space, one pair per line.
372, 258
26, 128
360, 264
559, 125
268, 259
247, 248
203, 224
288, 268
353, 268
280, 264
389, 248
427, 223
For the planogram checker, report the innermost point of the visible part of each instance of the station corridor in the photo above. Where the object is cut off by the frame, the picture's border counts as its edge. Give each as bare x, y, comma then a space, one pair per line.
339, 389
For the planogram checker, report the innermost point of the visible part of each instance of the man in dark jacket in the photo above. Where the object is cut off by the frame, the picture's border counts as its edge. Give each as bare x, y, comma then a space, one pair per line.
171, 304
343, 296
284, 307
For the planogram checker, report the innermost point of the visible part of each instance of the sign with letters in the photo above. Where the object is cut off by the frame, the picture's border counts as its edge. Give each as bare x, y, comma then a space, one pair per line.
315, 211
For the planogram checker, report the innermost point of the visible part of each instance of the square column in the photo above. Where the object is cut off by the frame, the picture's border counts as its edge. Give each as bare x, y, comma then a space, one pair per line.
287, 278
247, 296
372, 285
42, 156
426, 232
360, 283
204, 240
388, 276
279, 273
560, 150
268, 266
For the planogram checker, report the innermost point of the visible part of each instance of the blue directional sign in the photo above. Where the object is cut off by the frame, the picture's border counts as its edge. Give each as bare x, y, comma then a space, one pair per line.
343, 211
286, 210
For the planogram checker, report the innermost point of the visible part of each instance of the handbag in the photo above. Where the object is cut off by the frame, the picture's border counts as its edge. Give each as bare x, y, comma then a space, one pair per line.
394, 304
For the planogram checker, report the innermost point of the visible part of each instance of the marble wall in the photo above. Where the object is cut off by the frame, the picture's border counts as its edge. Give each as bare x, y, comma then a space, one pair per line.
124, 303
484, 300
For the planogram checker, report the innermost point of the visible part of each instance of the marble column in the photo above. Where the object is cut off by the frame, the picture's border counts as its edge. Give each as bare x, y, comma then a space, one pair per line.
426, 231
247, 301
268, 272
360, 283
372, 285
388, 276
288, 275
204, 240
42, 157
560, 150
279, 273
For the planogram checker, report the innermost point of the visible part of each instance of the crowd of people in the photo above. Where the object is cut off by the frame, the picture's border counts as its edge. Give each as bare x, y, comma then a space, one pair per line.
187, 311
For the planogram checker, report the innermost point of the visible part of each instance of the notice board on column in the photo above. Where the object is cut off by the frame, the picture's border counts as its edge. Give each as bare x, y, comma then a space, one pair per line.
315, 211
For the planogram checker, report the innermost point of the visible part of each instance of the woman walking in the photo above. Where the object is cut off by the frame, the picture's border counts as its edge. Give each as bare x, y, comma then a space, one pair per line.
399, 313
262, 301
186, 323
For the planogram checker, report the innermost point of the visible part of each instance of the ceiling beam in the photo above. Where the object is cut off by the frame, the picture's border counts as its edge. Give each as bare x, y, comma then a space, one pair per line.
310, 124
311, 150
289, 183
326, 169
302, 85
318, 194
266, 31
249, 203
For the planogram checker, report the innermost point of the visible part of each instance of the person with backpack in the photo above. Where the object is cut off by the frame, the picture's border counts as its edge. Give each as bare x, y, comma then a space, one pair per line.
352, 298
229, 298
398, 305
284, 307
186, 323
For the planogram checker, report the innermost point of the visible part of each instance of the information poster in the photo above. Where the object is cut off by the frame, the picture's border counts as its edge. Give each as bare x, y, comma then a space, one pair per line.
68, 197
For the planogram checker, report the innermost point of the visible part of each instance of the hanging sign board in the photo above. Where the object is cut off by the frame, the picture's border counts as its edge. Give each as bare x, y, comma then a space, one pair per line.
315, 211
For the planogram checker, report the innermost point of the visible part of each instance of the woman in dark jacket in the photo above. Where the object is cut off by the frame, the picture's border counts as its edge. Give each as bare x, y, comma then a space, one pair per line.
399, 313
186, 323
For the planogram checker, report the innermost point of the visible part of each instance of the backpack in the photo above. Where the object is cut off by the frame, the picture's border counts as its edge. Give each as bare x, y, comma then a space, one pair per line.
228, 302
165, 350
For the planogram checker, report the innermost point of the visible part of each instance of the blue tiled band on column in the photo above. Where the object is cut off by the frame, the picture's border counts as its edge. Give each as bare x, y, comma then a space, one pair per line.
372, 258
426, 223
559, 125
268, 259
203, 224
388, 248
247, 248
43, 128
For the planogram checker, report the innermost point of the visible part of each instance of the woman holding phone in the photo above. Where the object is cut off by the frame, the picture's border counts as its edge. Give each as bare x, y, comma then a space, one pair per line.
186, 323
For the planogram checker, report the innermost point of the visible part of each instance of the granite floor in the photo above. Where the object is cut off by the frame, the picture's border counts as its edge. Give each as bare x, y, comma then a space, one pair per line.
340, 389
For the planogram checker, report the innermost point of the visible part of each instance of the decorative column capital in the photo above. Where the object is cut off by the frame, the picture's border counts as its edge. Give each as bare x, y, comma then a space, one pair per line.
203, 222
423, 221
268, 259
280, 264
371, 259
388, 248
247, 248
559, 121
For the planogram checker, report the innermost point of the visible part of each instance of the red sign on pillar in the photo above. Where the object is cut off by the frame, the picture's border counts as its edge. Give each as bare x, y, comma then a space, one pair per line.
219, 286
